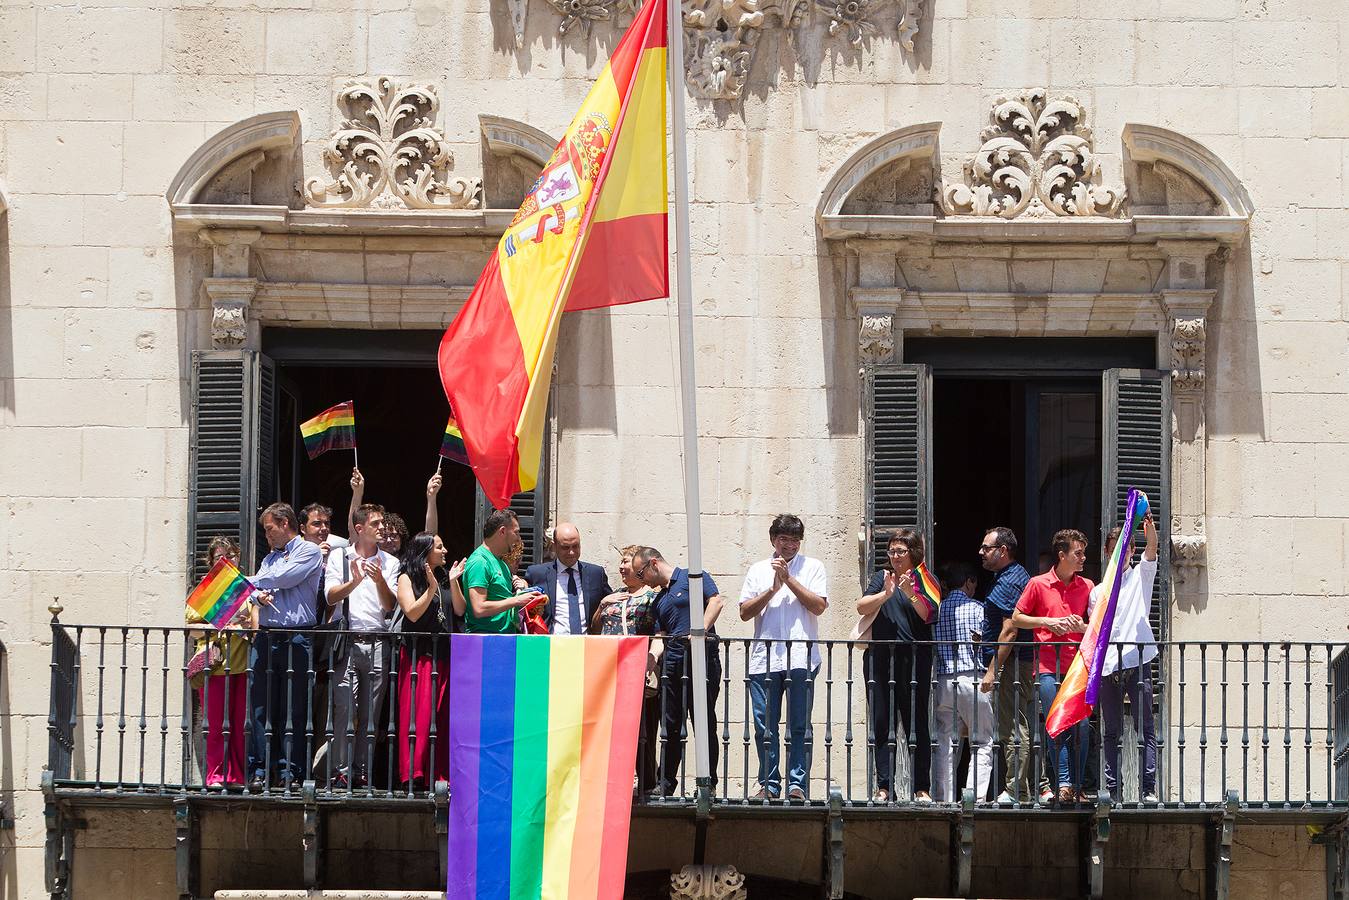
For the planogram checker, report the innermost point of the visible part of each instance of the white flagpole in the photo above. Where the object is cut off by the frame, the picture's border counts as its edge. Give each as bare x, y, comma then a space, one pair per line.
687, 386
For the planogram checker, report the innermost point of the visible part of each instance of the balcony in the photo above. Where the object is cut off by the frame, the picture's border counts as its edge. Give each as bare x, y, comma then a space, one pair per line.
1254, 734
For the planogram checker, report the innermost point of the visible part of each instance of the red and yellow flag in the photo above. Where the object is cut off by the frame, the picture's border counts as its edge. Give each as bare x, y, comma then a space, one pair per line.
591, 233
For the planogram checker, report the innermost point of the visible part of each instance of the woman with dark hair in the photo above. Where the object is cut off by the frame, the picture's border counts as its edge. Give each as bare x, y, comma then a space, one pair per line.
898, 671
424, 664
219, 674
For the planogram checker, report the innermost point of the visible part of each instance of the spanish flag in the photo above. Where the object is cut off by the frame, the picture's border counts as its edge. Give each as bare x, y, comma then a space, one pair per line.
590, 233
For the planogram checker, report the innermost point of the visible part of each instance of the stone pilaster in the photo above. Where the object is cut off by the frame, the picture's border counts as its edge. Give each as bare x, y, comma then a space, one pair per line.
1187, 299
231, 288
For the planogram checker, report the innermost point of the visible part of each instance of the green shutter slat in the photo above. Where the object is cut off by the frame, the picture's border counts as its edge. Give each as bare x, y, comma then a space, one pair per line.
897, 460
217, 465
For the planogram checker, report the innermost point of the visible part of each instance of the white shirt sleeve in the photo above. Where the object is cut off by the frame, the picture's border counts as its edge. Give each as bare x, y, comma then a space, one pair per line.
750, 588
1094, 597
817, 580
333, 570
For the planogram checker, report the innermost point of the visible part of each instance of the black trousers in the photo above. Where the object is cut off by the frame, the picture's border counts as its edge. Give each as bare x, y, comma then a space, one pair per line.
279, 704
676, 707
899, 685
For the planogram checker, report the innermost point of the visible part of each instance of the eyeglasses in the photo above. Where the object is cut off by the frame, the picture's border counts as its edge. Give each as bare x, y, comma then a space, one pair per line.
988, 548
898, 551
642, 571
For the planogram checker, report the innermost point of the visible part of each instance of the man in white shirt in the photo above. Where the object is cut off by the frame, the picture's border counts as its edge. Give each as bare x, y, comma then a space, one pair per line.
361, 580
574, 588
785, 595
1124, 672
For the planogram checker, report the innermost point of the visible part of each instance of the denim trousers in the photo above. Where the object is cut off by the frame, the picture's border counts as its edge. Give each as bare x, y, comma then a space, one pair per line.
766, 690
1066, 755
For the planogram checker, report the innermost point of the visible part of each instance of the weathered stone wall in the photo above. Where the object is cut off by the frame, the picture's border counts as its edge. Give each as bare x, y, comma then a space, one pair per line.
100, 307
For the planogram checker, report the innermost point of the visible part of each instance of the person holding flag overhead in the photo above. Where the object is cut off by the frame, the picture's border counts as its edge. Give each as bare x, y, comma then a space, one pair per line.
1123, 673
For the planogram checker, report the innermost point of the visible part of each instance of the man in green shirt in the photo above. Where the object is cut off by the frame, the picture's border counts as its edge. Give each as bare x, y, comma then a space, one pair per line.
492, 600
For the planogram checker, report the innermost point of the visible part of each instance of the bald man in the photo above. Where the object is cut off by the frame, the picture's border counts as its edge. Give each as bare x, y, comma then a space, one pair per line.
574, 588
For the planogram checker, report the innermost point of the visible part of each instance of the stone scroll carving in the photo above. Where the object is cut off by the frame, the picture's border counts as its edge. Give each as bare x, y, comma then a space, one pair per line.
876, 338
1187, 348
707, 883
1037, 160
720, 35
388, 153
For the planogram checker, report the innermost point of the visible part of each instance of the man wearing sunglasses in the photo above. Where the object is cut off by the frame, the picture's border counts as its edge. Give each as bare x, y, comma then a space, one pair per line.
1009, 667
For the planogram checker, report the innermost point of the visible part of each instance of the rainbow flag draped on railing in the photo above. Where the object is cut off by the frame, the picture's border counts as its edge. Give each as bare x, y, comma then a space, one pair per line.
220, 594
543, 748
332, 429
590, 233
1077, 693
926, 593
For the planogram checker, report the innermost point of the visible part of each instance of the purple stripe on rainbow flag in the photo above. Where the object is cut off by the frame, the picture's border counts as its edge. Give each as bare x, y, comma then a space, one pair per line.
496, 766
466, 699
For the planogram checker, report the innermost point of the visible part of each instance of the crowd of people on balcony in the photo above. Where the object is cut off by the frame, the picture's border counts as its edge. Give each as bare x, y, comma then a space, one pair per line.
311, 656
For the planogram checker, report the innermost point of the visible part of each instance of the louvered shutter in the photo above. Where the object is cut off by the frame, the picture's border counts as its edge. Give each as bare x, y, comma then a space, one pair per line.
224, 453
268, 489
897, 403
1136, 421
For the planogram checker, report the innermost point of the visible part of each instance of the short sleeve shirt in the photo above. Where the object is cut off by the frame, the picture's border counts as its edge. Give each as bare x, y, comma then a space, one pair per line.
672, 605
785, 628
1008, 585
485, 570
1046, 596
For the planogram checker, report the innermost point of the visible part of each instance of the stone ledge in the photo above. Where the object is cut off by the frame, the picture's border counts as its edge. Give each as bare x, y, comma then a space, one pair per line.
329, 895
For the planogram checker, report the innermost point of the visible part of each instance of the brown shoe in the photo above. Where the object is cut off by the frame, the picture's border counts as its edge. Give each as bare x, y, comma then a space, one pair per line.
1067, 796
760, 795
796, 794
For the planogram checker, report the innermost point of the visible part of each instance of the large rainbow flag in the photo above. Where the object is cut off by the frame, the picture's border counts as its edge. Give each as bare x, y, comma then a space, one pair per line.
332, 429
221, 593
590, 233
543, 747
1077, 693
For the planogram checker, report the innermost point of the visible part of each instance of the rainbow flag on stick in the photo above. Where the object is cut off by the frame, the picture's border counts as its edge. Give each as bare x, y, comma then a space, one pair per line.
590, 233
926, 593
220, 594
452, 445
332, 429
1077, 693
543, 747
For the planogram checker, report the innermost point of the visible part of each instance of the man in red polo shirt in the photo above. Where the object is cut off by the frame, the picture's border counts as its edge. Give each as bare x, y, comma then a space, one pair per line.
1054, 605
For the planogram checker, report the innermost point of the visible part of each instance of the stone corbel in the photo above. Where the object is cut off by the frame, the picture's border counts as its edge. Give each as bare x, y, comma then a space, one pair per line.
1187, 299
707, 883
231, 288
875, 337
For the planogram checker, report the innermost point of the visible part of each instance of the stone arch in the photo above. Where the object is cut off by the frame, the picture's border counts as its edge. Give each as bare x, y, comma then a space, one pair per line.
1167, 152
891, 156
228, 158
512, 155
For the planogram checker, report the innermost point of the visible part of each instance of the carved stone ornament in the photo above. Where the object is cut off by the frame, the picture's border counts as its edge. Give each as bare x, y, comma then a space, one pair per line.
707, 883
1036, 160
1187, 345
229, 327
720, 35
876, 338
388, 154
1189, 553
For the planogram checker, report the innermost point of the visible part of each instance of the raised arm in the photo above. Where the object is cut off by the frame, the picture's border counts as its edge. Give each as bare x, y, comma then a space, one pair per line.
432, 511
357, 497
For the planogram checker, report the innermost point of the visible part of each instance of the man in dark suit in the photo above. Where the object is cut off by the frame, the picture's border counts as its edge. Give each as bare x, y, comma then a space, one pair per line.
574, 588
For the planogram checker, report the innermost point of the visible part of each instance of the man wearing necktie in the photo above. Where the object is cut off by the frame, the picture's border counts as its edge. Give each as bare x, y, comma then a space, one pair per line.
574, 588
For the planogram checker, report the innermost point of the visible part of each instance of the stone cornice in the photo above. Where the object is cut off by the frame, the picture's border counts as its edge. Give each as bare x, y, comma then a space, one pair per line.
284, 220
1138, 229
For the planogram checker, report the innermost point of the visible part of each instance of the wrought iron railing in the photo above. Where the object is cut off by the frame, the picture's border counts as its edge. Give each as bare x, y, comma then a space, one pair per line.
1266, 719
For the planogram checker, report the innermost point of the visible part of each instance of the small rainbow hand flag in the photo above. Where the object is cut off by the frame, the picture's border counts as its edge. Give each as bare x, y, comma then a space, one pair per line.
452, 445
543, 747
220, 594
332, 429
1077, 693
926, 593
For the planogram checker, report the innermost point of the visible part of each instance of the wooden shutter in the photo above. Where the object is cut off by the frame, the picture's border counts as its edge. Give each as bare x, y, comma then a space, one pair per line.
224, 444
1136, 444
897, 403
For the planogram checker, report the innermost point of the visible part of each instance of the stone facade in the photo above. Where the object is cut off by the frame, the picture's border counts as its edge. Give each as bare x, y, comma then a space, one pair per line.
174, 176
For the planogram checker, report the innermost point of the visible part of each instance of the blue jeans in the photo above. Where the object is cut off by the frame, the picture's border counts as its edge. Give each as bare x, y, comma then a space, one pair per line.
765, 694
1067, 754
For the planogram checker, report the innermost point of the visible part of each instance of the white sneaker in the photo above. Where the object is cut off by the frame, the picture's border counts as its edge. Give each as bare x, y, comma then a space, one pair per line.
1006, 799
1150, 797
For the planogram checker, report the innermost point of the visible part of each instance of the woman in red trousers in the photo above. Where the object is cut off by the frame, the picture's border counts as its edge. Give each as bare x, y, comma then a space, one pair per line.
424, 665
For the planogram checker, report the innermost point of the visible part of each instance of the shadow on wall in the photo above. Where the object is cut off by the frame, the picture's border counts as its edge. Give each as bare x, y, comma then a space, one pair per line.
9, 872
